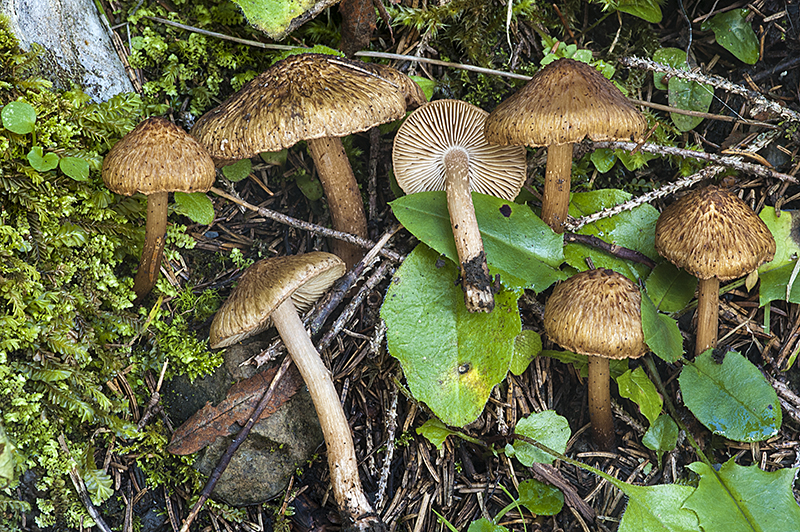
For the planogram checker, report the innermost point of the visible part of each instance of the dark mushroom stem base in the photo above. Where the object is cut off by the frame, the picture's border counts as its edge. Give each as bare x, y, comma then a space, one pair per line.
154, 234
475, 278
342, 463
344, 196
600, 403
557, 177
707, 314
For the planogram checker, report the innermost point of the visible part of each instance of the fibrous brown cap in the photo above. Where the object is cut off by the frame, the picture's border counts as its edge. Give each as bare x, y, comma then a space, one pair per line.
304, 97
597, 313
265, 285
710, 232
565, 102
442, 125
157, 156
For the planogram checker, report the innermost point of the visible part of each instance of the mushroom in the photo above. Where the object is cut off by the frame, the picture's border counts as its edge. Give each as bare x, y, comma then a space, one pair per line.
317, 98
597, 313
273, 291
565, 102
715, 236
156, 158
441, 146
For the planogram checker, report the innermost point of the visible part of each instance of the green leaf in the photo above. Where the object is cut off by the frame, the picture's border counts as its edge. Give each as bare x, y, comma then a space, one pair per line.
196, 206
99, 484
603, 159
548, 428
435, 432
661, 333
18, 117
484, 525
581, 362
41, 162
634, 229
274, 158
648, 10
540, 498
735, 34
427, 86
527, 345
739, 498
652, 508
670, 288
674, 57
683, 94
774, 284
75, 167
732, 399
662, 436
238, 170
519, 246
636, 386
310, 186
452, 358
785, 230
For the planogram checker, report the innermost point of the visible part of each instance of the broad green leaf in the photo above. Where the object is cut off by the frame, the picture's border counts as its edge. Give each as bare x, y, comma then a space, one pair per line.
484, 525
310, 186
581, 362
670, 288
785, 230
547, 428
648, 10
519, 247
634, 229
603, 159
662, 436
732, 399
735, 34
636, 386
540, 498
277, 18
674, 57
196, 206
527, 345
18, 117
683, 94
452, 358
40, 161
427, 86
435, 432
238, 170
746, 499
774, 284
75, 167
661, 333
657, 508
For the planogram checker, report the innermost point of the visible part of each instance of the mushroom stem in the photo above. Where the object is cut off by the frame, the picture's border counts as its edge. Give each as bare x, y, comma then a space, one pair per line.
600, 403
344, 196
557, 177
707, 314
346, 484
475, 278
154, 234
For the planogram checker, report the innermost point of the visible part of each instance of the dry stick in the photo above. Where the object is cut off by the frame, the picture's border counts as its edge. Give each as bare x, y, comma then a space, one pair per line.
154, 398
391, 427
612, 249
80, 487
711, 116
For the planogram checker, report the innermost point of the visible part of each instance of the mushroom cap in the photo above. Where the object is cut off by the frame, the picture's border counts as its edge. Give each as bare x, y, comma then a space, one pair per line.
565, 102
596, 313
304, 97
710, 232
265, 285
157, 156
437, 127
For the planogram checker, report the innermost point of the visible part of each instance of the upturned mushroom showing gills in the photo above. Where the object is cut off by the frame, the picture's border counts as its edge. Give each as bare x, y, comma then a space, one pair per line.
273, 291
565, 102
597, 313
317, 98
715, 236
156, 158
441, 146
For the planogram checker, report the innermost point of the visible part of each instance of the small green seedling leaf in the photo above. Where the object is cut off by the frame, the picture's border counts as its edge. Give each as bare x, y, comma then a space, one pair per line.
75, 167
42, 162
452, 358
547, 428
311, 187
196, 206
527, 345
540, 498
670, 288
427, 86
18, 117
238, 170
744, 498
484, 525
636, 386
732, 398
581, 362
435, 432
735, 34
683, 94
662, 436
661, 333
603, 159
648, 10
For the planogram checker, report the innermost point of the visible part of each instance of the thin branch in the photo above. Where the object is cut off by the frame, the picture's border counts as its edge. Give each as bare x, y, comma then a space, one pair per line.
612, 249
710, 116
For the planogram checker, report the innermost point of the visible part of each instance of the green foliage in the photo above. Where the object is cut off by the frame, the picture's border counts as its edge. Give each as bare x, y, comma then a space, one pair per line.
683, 94
734, 33
545, 427
636, 386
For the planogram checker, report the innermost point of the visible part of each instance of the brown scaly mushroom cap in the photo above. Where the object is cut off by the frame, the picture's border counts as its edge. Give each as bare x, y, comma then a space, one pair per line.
265, 285
157, 156
303, 97
565, 102
710, 232
597, 313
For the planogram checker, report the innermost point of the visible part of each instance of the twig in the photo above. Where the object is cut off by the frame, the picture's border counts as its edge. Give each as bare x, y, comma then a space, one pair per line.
710, 116
154, 398
80, 487
391, 427
612, 249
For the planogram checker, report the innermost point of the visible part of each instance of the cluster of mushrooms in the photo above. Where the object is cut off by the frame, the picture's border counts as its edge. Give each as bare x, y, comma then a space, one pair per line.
445, 145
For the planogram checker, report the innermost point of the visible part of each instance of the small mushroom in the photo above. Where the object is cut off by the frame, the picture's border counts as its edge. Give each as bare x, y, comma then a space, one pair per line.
565, 102
317, 98
156, 158
715, 236
441, 146
597, 313
273, 291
